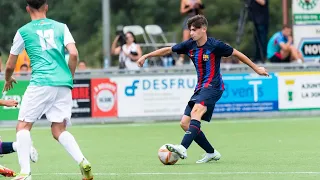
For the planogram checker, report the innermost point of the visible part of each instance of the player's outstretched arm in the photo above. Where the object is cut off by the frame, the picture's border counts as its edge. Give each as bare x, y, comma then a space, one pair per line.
9, 103
243, 58
160, 52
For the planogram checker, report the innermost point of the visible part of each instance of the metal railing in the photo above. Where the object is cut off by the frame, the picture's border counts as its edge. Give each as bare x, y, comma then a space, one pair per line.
225, 69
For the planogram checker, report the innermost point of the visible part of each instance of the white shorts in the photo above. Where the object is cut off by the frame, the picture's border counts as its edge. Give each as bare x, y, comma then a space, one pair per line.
54, 102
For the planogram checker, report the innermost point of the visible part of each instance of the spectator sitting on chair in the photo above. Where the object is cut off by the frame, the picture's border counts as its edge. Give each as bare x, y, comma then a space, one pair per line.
128, 53
280, 47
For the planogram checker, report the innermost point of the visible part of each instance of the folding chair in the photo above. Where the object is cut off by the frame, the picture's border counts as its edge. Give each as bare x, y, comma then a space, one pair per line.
137, 30
155, 31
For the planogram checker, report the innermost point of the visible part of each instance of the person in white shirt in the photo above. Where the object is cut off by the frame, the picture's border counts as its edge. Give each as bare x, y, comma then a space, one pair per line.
128, 53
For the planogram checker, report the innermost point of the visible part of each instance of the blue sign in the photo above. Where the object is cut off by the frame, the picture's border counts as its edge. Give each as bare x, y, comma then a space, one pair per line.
248, 93
243, 92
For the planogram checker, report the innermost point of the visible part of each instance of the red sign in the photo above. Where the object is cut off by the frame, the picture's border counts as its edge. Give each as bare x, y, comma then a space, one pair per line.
104, 101
81, 98
80, 93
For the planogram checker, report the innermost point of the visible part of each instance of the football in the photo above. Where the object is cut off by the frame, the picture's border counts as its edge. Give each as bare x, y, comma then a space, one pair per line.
167, 157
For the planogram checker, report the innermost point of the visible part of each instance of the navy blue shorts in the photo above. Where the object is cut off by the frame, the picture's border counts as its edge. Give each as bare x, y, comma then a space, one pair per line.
207, 97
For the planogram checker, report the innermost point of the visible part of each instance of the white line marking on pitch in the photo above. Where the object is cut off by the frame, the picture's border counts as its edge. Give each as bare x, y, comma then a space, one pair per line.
190, 173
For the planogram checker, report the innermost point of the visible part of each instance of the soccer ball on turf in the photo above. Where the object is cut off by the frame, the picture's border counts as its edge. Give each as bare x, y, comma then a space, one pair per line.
167, 157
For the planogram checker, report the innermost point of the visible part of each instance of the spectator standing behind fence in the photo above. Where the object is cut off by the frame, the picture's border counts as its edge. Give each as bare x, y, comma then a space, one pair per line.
259, 15
281, 49
189, 8
128, 53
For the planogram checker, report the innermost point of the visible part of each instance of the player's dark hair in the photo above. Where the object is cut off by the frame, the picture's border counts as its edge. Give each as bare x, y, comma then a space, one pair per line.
36, 4
197, 21
285, 26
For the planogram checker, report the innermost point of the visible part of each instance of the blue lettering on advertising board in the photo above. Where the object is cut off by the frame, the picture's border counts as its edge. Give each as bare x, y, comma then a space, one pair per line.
243, 92
248, 93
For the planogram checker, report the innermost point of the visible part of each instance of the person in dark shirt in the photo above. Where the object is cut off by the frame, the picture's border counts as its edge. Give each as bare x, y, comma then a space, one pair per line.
259, 15
205, 53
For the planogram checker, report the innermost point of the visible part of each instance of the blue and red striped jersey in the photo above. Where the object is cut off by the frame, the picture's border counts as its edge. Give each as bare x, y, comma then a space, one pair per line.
206, 60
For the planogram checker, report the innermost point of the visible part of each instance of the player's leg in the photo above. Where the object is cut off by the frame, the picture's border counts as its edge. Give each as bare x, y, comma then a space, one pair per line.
201, 139
210, 97
211, 153
7, 147
10, 147
197, 112
34, 103
185, 122
60, 114
193, 130
186, 118
23, 149
67, 140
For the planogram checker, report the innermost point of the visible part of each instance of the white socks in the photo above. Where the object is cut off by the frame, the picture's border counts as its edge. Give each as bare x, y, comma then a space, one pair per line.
70, 144
23, 146
14, 146
24, 143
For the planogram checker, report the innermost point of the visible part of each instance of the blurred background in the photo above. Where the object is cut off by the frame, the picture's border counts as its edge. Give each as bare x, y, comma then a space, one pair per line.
85, 21
106, 31
266, 127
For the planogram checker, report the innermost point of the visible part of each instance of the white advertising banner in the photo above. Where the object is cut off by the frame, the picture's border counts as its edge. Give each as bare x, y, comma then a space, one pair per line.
154, 95
168, 95
307, 40
306, 11
306, 28
299, 90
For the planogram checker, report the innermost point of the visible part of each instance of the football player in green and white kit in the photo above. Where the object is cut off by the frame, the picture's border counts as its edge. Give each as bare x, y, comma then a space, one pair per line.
49, 91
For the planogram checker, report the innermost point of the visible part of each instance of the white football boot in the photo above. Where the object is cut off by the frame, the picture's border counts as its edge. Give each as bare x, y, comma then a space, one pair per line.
33, 154
179, 149
209, 157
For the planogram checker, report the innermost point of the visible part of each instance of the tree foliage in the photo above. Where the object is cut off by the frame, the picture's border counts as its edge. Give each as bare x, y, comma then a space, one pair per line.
84, 19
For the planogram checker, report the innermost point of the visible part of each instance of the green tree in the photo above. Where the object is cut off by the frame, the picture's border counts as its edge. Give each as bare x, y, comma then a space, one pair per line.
84, 19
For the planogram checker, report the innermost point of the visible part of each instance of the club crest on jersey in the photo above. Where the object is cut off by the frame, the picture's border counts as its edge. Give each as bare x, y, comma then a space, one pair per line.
205, 57
191, 54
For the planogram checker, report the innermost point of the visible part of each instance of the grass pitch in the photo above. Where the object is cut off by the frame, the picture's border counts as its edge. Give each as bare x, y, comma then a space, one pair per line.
270, 149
